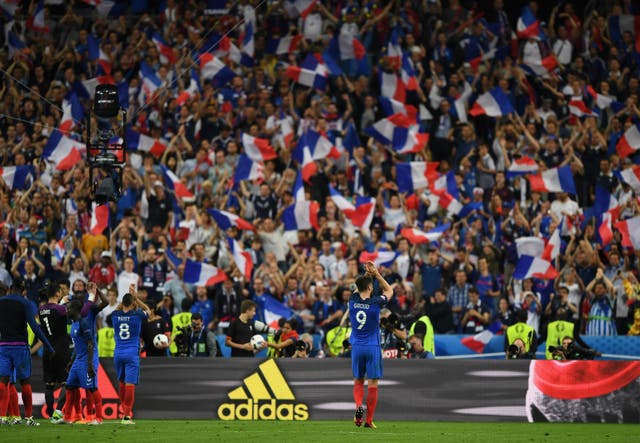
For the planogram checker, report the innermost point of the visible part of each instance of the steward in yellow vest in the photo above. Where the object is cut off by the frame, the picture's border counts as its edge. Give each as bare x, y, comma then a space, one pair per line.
423, 327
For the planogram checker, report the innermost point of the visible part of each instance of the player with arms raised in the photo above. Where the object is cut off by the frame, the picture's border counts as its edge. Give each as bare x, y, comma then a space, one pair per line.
366, 354
127, 322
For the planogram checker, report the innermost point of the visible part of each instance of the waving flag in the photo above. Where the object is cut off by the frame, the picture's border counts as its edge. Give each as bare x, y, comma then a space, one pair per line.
534, 267
493, 103
479, 341
604, 229
173, 182
150, 82
580, 109
303, 214
408, 74
392, 86
629, 143
632, 177
190, 91
72, 113
9, 7
99, 219
285, 134
304, 7
553, 180
96, 54
226, 220
379, 258
552, 248
241, 258
63, 151
310, 73
16, 177
274, 310
630, 230
313, 146
469, 208
59, 251
36, 21
533, 246
450, 203
416, 236
247, 169
86, 88
522, 166
348, 47
604, 201
258, 149
14, 43
391, 107
415, 175
213, 68
202, 274
283, 45
397, 132
528, 25
445, 183
360, 214
248, 46
541, 67
167, 53
394, 50
601, 101
141, 142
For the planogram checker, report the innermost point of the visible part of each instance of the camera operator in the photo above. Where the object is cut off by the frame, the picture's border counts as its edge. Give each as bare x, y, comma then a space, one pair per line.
570, 350
423, 328
346, 349
393, 333
517, 351
522, 335
416, 342
304, 347
285, 340
202, 341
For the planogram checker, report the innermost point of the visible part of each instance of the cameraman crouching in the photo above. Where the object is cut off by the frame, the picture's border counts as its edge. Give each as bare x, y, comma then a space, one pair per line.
517, 351
393, 334
570, 350
304, 347
202, 341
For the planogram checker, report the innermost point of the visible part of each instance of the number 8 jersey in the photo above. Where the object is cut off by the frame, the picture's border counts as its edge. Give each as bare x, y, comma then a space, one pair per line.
126, 331
364, 315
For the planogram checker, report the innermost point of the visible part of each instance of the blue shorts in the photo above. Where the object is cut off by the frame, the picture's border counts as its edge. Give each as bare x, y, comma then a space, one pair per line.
127, 368
366, 360
15, 359
78, 376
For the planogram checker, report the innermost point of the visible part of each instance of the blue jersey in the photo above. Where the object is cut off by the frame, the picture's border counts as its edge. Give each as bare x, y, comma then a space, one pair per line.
81, 333
127, 327
364, 315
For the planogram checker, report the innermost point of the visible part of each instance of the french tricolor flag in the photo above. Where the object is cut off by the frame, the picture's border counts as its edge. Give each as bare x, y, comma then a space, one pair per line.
445, 183
534, 267
541, 67
258, 149
247, 169
174, 183
604, 201
493, 103
392, 86
86, 88
63, 151
141, 142
379, 258
602, 101
522, 166
630, 230
285, 134
479, 341
391, 106
632, 177
580, 109
283, 45
192, 90
213, 68
552, 248
604, 229
360, 214
202, 274
274, 310
167, 53
99, 219
528, 25
449, 202
241, 258
553, 180
310, 73
416, 236
96, 54
303, 214
36, 21
412, 176
226, 220
408, 73
248, 46
72, 113
394, 50
304, 7
349, 47
313, 146
629, 143
397, 131
15, 177
533, 246
150, 82
59, 251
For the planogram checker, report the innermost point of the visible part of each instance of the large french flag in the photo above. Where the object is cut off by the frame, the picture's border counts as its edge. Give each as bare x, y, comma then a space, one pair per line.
167, 53
533, 246
630, 230
99, 219
313, 146
398, 132
247, 169
283, 45
213, 68
310, 73
445, 183
274, 310
63, 151
553, 180
493, 103
629, 143
303, 214
534, 267
604, 201
632, 177
450, 203
226, 220
36, 21
522, 166
349, 47
96, 54
72, 113
416, 236
392, 86
391, 107
173, 182
241, 258
202, 274
379, 258
360, 214
141, 142
580, 109
15, 177
528, 25
412, 176
258, 149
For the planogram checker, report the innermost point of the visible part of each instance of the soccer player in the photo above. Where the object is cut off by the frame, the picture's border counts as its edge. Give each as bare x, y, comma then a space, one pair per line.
127, 322
15, 313
366, 352
53, 318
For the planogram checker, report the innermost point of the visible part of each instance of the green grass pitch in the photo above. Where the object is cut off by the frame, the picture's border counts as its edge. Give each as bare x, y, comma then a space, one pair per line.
320, 431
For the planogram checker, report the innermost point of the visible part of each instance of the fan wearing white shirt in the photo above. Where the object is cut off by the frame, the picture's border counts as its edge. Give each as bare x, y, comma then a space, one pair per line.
562, 47
127, 278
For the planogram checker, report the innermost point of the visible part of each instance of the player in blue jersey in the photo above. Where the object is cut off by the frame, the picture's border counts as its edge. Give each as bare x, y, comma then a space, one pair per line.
127, 322
15, 313
366, 353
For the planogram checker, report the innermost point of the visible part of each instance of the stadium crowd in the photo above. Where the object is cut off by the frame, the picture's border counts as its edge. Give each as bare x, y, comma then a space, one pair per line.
427, 60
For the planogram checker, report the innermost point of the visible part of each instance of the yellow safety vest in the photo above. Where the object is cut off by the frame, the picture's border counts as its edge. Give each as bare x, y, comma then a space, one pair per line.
556, 331
429, 341
522, 331
106, 342
180, 320
335, 337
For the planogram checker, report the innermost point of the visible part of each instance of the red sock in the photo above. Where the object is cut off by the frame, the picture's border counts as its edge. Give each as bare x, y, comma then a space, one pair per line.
129, 396
97, 404
358, 393
77, 404
91, 410
13, 409
4, 399
121, 391
372, 401
67, 409
27, 400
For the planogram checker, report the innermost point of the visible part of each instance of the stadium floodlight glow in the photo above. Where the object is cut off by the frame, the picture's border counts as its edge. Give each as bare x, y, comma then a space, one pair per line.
105, 102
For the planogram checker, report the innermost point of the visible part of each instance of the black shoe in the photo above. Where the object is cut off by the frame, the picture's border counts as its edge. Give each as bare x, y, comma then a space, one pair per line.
357, 417
370, 425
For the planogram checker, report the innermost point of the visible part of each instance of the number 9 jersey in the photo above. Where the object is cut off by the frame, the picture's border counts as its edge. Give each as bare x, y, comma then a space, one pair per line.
364, 315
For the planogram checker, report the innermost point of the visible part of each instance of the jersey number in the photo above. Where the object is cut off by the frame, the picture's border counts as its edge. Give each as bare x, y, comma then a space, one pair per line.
361, 318
123, 331
46, 323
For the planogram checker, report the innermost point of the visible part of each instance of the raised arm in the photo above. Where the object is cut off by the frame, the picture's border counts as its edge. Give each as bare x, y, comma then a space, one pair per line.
387, 290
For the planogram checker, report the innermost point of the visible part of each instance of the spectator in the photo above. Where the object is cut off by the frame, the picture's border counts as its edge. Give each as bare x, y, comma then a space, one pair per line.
475, 316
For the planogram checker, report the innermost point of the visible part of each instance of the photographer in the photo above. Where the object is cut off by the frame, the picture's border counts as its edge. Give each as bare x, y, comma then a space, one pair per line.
517, 350
304, 347
423, 328
521, 335
285, 340
417, 348
202, 341
393, 334
570, 350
